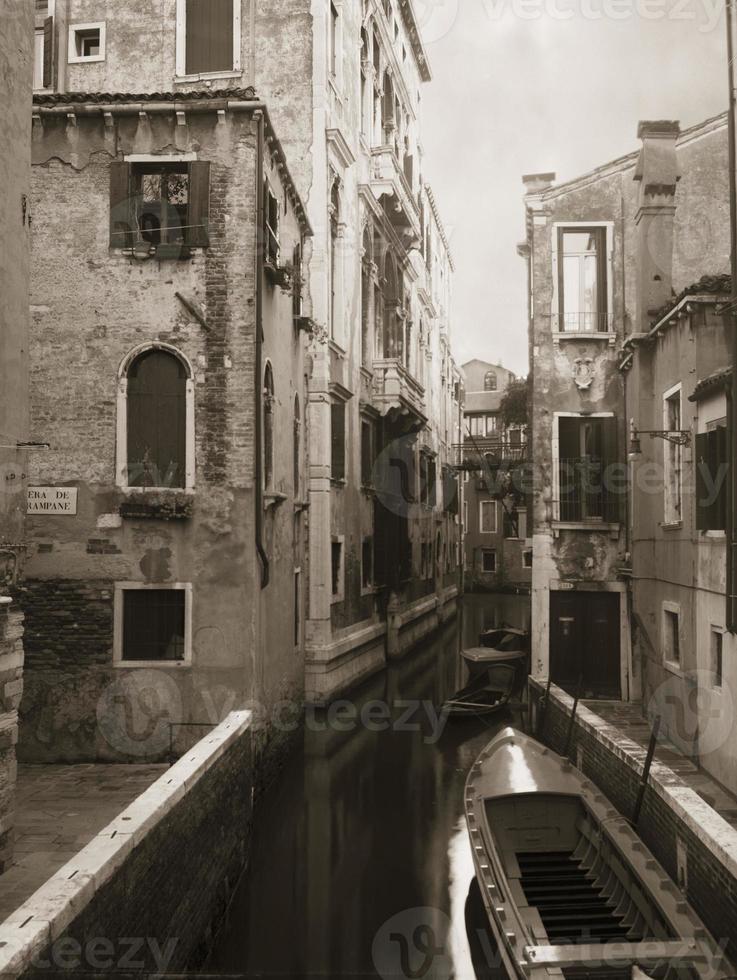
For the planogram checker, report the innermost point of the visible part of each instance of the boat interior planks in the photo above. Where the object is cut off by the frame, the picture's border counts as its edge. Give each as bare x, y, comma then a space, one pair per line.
569, 888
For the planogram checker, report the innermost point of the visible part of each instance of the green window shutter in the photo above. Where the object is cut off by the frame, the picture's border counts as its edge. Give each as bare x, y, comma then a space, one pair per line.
48, 67
611, 489
121, 217
198, 215
209, 36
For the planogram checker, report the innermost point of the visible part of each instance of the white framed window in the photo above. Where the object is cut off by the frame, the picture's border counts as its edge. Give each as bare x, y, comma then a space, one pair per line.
671, 635
487, 516
38, 61
488, 562
334, 40
152, 624
208, 39
491, 425
86, 43
582, 254
155, 437
672, 458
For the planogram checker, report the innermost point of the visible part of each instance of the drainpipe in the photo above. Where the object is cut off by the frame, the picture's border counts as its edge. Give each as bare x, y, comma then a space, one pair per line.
259, 270
731, 577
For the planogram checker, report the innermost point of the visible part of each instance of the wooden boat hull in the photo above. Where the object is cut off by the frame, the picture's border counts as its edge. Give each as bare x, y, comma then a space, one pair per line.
569, 888
489, 694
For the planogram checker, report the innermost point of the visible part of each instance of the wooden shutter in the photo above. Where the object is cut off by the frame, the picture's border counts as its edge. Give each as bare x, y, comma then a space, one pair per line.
712, 485
209, 36
611, 488
48, 71
121, 217
157, 421
337, 435
198, 214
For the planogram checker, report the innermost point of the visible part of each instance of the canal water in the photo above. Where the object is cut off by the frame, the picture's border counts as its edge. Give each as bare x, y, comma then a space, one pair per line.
360, 863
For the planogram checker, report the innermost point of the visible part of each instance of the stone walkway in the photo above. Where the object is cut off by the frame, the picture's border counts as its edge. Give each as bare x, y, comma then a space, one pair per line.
630, 720
59, 809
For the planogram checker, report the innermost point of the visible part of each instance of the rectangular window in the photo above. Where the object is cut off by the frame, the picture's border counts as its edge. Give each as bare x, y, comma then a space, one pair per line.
487, 516
367, 453
672, 459
432, 482
86, 43
337, 441
271, 230
582, 285
510, 525
38, 60
477, 426
527, 559
488, 561
712, 485
337, 569
671, 635
587, 454
491, 425
208, 36
367, 563
152, 625
717, 644
297, 607
333, 41
43, 50
164, 203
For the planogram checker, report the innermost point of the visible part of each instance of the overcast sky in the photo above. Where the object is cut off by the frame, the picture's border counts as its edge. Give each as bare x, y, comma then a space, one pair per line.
523, 86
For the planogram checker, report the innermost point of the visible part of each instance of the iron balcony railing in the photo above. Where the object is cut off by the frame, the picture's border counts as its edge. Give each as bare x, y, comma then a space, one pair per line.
589, 490
586, 322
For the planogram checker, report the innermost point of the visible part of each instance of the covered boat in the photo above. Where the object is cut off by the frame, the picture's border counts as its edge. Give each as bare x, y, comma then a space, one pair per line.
569, 888
486, 694
505, 638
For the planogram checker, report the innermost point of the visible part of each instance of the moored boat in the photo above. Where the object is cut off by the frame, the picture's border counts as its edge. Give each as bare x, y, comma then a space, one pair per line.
505, 638
486, 694
569, 888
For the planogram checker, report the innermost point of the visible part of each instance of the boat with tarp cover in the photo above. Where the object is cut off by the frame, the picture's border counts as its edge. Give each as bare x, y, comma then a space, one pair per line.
569, 888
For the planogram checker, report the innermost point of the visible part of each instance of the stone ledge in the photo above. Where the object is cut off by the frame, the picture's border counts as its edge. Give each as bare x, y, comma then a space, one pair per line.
45, 916
718, 836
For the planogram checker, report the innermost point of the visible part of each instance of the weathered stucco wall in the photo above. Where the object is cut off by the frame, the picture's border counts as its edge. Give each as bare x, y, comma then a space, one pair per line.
16, 66
92, 306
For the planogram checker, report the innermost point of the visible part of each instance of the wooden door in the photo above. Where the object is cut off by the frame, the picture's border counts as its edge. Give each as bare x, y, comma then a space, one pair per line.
584, 642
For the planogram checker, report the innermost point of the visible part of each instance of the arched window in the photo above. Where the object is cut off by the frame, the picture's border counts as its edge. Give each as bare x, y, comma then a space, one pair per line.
297, 445
155, 388
268, 427
490, 381
366, 299
334, 228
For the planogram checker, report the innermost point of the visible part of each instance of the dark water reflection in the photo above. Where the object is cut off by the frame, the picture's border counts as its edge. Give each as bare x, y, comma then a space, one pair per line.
360, 861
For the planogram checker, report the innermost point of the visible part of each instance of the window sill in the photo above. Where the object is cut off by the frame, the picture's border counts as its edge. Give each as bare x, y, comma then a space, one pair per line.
204, 75
613, 526
155, 664
156, 503
713, 535
671, 525
159, 252
339, 484
673, 667
86, 61
301, 505
609, 336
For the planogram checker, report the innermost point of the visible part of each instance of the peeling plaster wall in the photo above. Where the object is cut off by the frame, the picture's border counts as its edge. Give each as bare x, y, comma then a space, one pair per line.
91, 306
16, 66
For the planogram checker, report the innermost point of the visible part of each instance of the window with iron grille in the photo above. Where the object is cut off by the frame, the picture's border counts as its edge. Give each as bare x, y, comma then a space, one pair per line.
582, 282
153, 625
587, 454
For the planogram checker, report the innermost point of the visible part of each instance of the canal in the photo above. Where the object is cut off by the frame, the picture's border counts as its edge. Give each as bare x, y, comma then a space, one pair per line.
360, 865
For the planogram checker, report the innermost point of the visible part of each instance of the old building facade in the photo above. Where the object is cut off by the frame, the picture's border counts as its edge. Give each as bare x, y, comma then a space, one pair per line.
169, 378
16, 60
604, 252
496, 548
372, 564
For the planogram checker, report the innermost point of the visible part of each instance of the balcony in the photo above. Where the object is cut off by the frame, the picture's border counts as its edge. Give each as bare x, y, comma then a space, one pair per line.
388, 178
397, 395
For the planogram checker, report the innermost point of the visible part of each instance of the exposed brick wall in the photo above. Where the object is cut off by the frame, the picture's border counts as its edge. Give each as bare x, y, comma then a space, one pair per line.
660, 826
203, 838
11, 689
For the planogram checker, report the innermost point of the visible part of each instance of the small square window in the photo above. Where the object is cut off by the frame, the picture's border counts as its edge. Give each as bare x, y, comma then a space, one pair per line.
86, 43
152, 625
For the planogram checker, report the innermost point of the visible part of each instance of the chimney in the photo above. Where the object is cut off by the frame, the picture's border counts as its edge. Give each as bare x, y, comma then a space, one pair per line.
658, 175
537, 183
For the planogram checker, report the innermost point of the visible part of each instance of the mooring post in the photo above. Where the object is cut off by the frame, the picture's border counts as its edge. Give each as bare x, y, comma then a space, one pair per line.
572, 719
542, 707
646, 770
